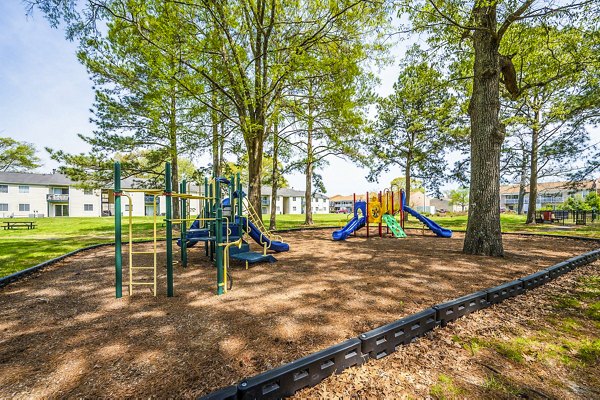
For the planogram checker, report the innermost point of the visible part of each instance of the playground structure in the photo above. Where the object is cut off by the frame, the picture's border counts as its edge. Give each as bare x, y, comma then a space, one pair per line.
220, 225
382, 208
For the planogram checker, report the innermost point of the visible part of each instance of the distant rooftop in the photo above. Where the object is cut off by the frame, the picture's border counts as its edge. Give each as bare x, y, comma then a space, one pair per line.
549, 186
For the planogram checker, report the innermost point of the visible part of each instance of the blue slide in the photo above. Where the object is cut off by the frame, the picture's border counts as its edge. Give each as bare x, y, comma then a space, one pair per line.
260, 238
354, 224
435, 228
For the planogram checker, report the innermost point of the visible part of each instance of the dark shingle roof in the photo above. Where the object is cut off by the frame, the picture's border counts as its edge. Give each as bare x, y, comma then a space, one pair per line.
27, 178
287, 192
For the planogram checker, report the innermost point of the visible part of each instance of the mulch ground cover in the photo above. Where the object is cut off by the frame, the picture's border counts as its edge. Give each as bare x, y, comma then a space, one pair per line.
63, 334
544, 344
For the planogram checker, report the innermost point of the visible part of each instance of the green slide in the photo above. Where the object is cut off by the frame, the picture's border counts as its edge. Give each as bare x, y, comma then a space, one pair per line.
394, 226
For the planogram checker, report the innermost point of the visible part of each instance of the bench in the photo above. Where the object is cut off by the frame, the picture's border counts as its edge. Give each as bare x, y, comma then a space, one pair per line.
18, 224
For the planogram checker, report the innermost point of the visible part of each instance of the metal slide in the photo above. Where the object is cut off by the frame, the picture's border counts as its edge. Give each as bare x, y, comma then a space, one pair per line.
353, 225
394, 226
435, 228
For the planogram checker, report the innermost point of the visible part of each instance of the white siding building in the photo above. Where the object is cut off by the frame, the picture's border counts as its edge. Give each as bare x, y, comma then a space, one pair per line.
291, 201
549, 194
54, 195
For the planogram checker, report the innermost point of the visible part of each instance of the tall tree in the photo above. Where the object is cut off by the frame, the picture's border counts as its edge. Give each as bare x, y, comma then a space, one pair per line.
139, 103
414, 125
260, 42
459, 197
17, 156
485, 23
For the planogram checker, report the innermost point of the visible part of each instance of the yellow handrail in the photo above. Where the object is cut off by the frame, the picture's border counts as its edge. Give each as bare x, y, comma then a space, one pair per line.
237, 243
253, 217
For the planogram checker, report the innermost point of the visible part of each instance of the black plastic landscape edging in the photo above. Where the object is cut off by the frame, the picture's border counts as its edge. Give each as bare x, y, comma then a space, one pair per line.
308, 371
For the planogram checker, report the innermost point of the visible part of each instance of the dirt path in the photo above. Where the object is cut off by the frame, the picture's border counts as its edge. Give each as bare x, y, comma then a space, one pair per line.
63, 334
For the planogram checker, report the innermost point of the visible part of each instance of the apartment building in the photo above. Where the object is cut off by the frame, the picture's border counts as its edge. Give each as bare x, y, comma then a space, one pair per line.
55, 195
549, 194
291, 201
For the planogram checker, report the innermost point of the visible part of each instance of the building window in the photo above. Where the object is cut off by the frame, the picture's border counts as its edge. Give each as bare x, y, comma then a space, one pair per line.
24, 189
90, 207
88, 191
60, 190
3, 207
126, 207
3, 188
23, 207
293, 199
294, 208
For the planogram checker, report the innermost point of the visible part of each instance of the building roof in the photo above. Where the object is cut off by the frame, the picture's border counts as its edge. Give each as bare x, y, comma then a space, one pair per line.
31, 178
288, 192
552, 186
339, 197
28, 178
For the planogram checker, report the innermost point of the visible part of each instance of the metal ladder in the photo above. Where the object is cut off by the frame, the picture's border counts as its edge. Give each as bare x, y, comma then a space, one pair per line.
132, 283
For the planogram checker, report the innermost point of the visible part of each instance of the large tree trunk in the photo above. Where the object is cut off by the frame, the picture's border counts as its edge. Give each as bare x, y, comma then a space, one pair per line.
523, 182
484, 236
214, 120
308, 171
274, 179
255, 153
533, 179
173, 151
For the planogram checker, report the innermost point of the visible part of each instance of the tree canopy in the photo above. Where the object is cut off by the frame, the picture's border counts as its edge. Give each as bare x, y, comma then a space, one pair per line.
17, 156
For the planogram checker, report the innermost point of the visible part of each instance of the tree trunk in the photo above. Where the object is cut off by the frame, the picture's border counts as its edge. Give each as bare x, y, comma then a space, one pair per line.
484, 236
254, 145
407, 183
533, 179
173, 151
309, 163
274, 179
523, 183
214, 120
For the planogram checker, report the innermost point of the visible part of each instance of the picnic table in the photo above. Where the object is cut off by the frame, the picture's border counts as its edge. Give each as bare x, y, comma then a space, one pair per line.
18, 224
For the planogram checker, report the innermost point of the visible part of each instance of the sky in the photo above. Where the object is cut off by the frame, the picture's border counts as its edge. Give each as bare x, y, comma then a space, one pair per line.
46, 96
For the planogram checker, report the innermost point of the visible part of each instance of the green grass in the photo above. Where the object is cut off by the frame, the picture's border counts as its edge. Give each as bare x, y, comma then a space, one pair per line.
445, 388
20, 249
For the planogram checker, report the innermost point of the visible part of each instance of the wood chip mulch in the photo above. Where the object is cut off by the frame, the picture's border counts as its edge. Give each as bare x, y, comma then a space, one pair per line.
64, 335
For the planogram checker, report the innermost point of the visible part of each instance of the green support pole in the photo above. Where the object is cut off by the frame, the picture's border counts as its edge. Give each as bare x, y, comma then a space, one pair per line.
206, 212
219, 252
183, 226
240, 196
169, 216
118, 254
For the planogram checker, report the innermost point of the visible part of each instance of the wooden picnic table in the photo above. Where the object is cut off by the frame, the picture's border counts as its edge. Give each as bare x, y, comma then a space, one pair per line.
18, 224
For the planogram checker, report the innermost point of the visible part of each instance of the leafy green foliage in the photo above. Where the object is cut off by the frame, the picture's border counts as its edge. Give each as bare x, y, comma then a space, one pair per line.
17, 156
459, 197
415, 124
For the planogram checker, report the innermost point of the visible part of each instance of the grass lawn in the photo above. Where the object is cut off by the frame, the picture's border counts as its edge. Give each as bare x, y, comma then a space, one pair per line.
20, 249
